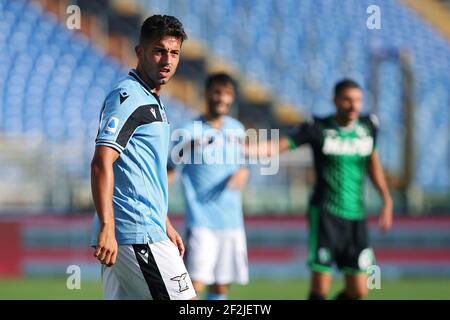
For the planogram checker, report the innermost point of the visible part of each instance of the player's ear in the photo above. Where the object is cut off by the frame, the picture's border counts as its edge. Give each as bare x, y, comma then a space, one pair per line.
335, 100
139, 50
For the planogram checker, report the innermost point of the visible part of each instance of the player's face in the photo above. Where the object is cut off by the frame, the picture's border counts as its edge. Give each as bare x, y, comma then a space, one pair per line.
220, 97
348, 103
160, 58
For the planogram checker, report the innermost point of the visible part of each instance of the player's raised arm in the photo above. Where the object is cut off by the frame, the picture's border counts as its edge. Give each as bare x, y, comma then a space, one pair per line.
239, 179
379, 180
170, 175
102, 185
305, 132
266, 148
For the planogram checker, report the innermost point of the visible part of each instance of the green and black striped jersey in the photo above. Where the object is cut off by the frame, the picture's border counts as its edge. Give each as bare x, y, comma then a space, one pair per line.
340, 159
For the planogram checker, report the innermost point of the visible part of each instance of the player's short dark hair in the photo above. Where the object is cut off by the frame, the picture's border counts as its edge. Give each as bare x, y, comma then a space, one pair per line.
158, 26
345, 84
221, 78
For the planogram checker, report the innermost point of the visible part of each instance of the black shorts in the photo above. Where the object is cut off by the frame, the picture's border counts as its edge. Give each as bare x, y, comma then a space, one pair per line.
333, 239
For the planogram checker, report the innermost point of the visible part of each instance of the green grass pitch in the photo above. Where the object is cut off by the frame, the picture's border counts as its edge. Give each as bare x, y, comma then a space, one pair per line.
55, 288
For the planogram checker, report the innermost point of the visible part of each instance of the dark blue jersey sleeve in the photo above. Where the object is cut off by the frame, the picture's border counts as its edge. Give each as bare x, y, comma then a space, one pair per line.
303, 133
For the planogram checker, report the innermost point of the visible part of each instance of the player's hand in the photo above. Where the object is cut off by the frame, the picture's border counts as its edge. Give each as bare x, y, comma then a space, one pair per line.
238, 180
386, 217
106, 250
175, 237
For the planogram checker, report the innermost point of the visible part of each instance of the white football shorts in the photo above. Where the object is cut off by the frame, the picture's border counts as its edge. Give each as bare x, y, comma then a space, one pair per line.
217, 256
153, 271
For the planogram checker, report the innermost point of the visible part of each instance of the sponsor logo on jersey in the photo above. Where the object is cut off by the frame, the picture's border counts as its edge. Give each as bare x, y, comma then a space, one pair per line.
330, 132
153, 111
112, 125
334, 145
123, 96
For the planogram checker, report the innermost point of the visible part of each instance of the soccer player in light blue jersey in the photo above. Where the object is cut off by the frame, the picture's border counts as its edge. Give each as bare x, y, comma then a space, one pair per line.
140, 251
213, 174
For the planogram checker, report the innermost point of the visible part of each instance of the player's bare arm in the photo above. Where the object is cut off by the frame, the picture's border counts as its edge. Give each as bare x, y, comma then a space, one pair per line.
175, 237
266, 148
170, 176
379, 180
172, 233
239, 179
102, 185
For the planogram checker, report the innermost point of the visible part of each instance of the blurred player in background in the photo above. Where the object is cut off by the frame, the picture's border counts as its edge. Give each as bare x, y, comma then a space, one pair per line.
216, 253
133, 238
344, 148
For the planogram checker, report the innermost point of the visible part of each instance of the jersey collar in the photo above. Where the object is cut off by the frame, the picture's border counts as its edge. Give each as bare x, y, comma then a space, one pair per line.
346, 129
133, 73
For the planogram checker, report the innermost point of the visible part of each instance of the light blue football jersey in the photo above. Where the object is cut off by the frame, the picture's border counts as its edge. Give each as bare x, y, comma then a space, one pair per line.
214, 156
134, 123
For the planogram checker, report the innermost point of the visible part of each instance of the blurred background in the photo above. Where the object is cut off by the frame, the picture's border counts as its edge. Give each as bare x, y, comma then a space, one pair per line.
286, 55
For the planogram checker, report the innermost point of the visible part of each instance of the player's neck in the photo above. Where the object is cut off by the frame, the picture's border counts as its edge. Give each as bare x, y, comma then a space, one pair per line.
344, 123
141, 73
214, 121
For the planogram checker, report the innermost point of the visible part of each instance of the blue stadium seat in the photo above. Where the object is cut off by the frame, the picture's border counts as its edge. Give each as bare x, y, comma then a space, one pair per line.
52, 81
299, 49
